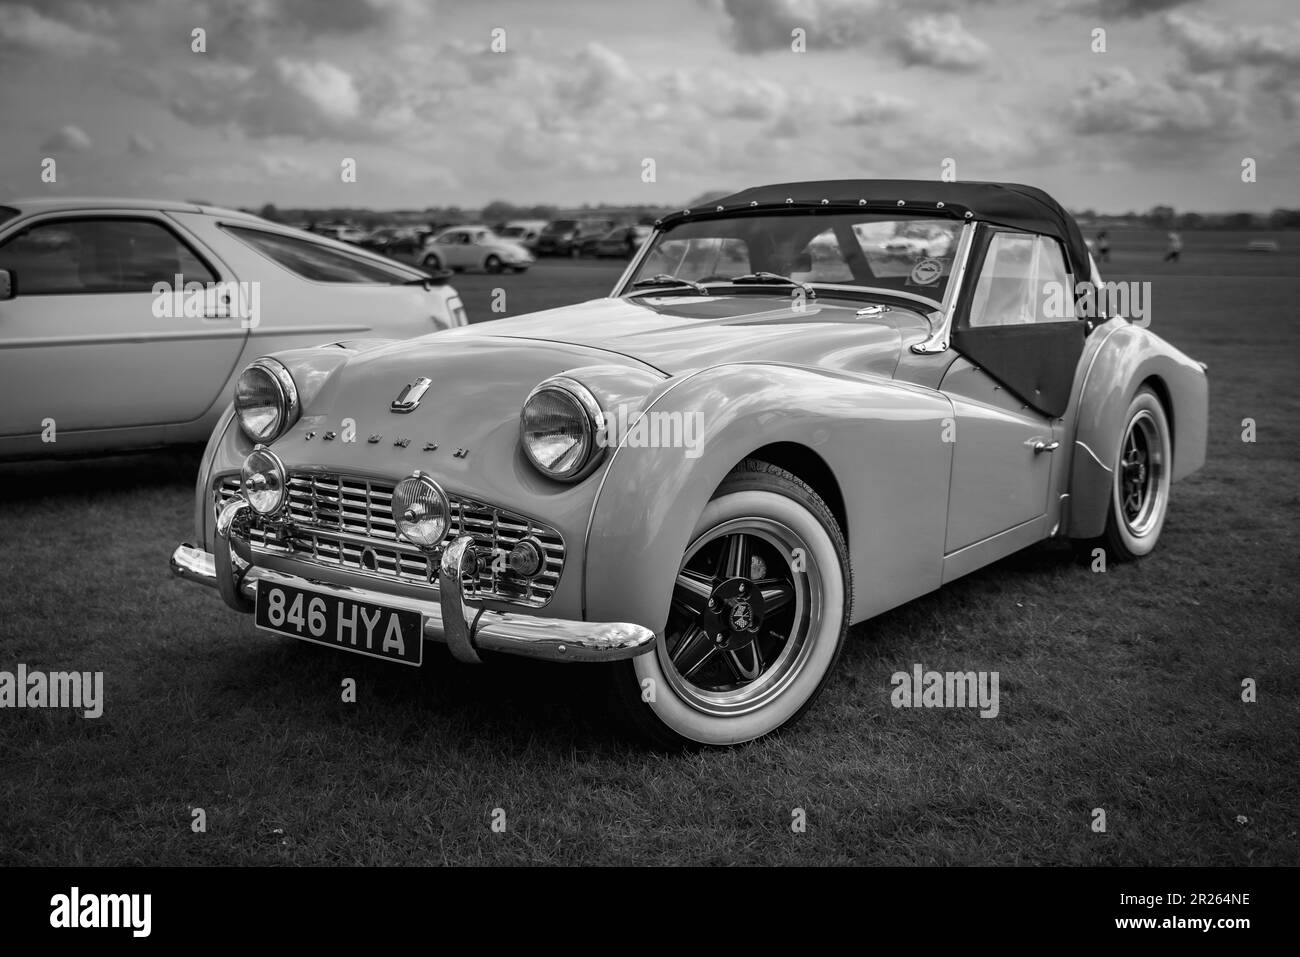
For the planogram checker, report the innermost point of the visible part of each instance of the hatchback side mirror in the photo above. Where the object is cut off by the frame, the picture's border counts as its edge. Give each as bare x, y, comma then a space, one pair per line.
8, 284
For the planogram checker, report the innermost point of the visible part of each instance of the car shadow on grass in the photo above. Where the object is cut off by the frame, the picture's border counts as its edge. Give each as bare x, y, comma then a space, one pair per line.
1031, 570
509, 705
504, 704
54, 478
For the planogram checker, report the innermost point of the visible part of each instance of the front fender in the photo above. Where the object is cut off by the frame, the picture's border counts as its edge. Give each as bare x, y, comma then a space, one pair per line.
228, 446
882, 440
1130, 356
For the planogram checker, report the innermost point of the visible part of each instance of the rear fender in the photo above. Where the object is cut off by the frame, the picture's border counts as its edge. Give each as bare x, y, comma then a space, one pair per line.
1129, 357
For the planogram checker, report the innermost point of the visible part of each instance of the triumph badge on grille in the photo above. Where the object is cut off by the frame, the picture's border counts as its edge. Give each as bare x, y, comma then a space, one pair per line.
408, 400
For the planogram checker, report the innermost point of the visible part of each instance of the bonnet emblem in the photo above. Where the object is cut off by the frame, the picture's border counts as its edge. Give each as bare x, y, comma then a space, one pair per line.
408, 400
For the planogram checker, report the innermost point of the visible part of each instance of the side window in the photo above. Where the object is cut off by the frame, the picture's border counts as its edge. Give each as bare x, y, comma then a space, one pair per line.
316, 262
1022, 273
99, 256
1053, 282
1003, 292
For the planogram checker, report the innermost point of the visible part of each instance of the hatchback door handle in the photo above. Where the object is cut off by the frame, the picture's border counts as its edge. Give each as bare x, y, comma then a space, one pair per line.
1046, 447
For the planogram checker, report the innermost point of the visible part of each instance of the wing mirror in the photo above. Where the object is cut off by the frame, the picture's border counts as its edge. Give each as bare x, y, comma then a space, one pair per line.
8, 284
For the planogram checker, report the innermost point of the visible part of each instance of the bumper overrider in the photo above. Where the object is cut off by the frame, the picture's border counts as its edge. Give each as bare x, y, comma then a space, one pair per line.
465, 628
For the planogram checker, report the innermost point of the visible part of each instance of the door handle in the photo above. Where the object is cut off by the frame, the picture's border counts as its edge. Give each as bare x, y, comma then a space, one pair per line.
1041, 446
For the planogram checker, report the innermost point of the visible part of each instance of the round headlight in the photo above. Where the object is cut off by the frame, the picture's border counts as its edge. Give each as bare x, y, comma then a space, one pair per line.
262, 478
420, 510
266, 400
558, 428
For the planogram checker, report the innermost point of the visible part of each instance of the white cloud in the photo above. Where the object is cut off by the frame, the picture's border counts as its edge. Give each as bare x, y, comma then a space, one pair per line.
325, 86
941, 41
71, 139
759, 25
22, 26
1209, 46
1190, 108
138, 145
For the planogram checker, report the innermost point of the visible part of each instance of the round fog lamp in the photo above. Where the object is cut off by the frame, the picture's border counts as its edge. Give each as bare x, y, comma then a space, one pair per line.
262, 479
420, 510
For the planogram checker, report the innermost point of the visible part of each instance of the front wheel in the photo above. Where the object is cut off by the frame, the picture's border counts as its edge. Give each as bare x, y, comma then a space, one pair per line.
1139, 494
492, 264
758, 617
431, 263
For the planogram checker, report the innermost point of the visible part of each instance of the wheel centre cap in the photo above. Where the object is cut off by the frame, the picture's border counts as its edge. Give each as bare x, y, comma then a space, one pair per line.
735, 613
742, 615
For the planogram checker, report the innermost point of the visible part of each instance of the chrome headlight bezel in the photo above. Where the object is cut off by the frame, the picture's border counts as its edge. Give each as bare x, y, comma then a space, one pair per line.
288, 406
587, 415
401, 492
276, 468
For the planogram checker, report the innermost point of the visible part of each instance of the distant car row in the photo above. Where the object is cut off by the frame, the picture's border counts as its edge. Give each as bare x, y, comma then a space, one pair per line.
513, 245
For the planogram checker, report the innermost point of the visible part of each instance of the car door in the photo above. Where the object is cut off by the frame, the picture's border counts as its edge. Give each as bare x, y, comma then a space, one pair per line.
1009, 384
451, 248
86, 343
479, 250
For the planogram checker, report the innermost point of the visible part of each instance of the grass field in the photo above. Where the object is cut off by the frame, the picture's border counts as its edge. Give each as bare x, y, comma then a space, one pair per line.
1118, 690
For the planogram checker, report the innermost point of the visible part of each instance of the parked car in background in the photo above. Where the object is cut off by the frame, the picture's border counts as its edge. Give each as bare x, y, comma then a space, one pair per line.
563, 237
621, 242
99, 349
474, 247
704, 479
525, 232
343, 232
407, 247
1262, 246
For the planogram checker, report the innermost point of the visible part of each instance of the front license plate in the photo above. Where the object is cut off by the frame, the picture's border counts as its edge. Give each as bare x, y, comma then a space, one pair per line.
340, 623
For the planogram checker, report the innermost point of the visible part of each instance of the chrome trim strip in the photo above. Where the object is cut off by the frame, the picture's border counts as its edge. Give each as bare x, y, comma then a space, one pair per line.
1084, 446
941, 335
612, 457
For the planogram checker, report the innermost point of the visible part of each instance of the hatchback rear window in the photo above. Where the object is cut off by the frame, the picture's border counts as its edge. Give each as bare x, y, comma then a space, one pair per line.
318, 262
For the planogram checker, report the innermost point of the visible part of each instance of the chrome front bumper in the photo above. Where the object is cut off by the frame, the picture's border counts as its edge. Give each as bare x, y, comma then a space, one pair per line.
466, 629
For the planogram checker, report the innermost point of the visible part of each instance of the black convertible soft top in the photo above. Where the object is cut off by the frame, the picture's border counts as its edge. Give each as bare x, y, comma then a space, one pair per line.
1004, 204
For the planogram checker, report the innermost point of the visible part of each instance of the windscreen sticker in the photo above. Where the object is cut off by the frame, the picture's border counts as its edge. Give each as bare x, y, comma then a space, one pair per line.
925, 273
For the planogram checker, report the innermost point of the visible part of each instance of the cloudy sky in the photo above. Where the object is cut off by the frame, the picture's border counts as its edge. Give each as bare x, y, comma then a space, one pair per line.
586, 90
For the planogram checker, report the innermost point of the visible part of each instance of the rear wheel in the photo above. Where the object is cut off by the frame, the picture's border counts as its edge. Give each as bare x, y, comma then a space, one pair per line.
758, 617
1139, 495
431, 262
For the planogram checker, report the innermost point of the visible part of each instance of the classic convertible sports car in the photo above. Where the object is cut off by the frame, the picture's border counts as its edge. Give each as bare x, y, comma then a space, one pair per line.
774, 427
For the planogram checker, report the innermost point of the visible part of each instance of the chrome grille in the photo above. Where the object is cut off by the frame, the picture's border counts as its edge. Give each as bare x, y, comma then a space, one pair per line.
348, 523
